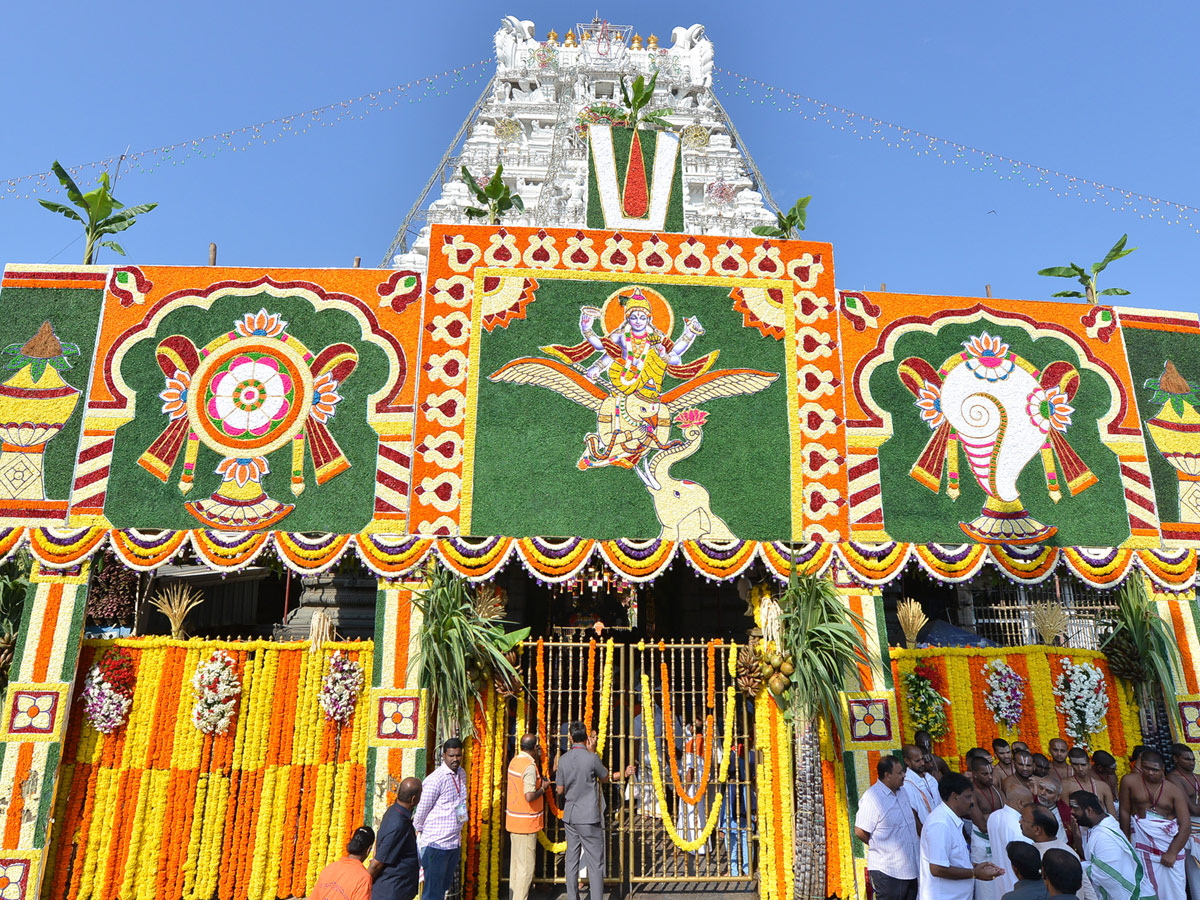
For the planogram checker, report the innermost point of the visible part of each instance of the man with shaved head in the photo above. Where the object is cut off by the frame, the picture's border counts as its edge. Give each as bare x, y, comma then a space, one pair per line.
920, 798
1004, 758
1155, 817
1184, 777
1084, 779
1023, 764
1004, 827
1058, 759
987, 800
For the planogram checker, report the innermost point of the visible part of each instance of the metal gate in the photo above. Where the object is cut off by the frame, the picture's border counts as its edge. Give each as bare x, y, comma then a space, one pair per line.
565, 682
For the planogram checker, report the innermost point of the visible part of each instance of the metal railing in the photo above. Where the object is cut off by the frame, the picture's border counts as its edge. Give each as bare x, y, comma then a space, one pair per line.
1004, 611
639, 850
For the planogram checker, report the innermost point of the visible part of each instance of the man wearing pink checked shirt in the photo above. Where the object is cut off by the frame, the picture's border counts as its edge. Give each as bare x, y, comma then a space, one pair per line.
439, 819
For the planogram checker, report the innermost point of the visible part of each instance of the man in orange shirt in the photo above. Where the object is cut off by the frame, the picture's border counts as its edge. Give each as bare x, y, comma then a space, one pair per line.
347, 879
525, 814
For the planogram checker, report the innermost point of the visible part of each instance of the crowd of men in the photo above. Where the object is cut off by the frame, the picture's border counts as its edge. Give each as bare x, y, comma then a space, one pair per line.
420, 836
1022, 825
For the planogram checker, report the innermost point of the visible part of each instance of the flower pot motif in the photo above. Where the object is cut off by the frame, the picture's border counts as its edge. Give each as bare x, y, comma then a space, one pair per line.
1175, 430
35, 405
1002, 412
245, 395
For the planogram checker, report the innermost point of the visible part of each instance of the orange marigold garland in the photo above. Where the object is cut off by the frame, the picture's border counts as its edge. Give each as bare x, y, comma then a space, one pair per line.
669, 729
591, 684
542, 726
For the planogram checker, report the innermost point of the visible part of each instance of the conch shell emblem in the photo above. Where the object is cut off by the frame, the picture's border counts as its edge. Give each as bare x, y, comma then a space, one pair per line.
1003, 411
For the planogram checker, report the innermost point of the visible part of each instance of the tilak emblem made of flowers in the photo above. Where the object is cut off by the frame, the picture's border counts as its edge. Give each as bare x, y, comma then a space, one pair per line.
1004, 411
245, 395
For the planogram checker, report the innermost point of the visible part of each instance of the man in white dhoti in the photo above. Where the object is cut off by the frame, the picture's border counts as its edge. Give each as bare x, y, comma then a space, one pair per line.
1184, 778
1003, 827
1154, 816
1114, 868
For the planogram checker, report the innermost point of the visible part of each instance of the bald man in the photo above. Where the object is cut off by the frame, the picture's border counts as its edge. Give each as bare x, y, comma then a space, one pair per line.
1004, 827
1048, 792
1023, 765
395, 870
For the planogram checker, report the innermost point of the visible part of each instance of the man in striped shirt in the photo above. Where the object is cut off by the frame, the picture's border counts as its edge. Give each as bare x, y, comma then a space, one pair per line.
439, 819
885, 824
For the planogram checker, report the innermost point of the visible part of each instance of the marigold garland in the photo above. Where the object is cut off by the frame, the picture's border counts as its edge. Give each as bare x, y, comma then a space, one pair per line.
656, 775
591, 685
159, 810
605, 697
669, 728
543, 738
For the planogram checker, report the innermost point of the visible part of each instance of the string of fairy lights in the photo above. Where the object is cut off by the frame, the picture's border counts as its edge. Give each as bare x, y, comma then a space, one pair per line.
732, 84
953, 153
260, 134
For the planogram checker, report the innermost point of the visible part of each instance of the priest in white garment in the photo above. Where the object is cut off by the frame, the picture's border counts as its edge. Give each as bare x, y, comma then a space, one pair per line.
1004, 826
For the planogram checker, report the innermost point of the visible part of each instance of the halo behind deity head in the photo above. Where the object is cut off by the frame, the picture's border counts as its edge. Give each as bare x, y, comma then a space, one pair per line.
617, 306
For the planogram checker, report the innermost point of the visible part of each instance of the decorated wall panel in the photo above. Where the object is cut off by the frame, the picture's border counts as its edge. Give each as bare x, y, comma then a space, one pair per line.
552, 395
996, 422
638, 387
1164, 358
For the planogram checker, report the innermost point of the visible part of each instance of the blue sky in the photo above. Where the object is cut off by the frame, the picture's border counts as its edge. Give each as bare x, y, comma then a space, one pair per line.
1097, 90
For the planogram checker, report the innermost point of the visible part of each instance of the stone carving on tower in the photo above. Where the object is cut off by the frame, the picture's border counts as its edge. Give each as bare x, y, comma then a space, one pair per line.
548, 93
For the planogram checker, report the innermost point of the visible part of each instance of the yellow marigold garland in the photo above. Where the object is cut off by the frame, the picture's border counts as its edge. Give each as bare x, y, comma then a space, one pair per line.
605, 697
168, 812
656, 775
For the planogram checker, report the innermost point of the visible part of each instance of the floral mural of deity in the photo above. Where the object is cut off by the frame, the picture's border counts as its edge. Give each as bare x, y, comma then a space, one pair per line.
621, 375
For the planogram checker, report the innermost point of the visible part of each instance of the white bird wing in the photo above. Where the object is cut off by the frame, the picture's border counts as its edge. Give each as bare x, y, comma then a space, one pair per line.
715, 385
555, 376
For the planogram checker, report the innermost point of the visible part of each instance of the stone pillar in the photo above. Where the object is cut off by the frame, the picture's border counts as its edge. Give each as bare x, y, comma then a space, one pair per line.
348, 600
33, 719
396, 741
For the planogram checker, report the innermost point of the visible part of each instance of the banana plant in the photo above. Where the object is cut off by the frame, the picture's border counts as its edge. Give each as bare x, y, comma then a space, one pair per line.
1088, 280
496, 198
637, 99
104, 213
789, 225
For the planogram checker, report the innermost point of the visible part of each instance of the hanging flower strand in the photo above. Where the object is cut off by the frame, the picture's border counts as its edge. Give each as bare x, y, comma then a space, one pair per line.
1005, 696
216, 687
1082, 700
341, 687
108, 691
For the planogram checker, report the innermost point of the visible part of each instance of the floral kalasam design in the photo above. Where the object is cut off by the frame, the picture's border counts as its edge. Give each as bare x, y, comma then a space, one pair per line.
35, 405
620, 375
1175, 430
245, 395
1003, 411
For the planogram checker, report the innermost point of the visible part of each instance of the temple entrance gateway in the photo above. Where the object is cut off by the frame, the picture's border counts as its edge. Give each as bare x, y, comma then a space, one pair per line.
699, 733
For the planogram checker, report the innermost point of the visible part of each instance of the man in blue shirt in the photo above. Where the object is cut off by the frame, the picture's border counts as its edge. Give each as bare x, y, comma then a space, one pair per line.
395, 870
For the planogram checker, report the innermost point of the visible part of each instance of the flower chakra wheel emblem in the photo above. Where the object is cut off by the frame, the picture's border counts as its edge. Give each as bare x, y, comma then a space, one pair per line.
245, 395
